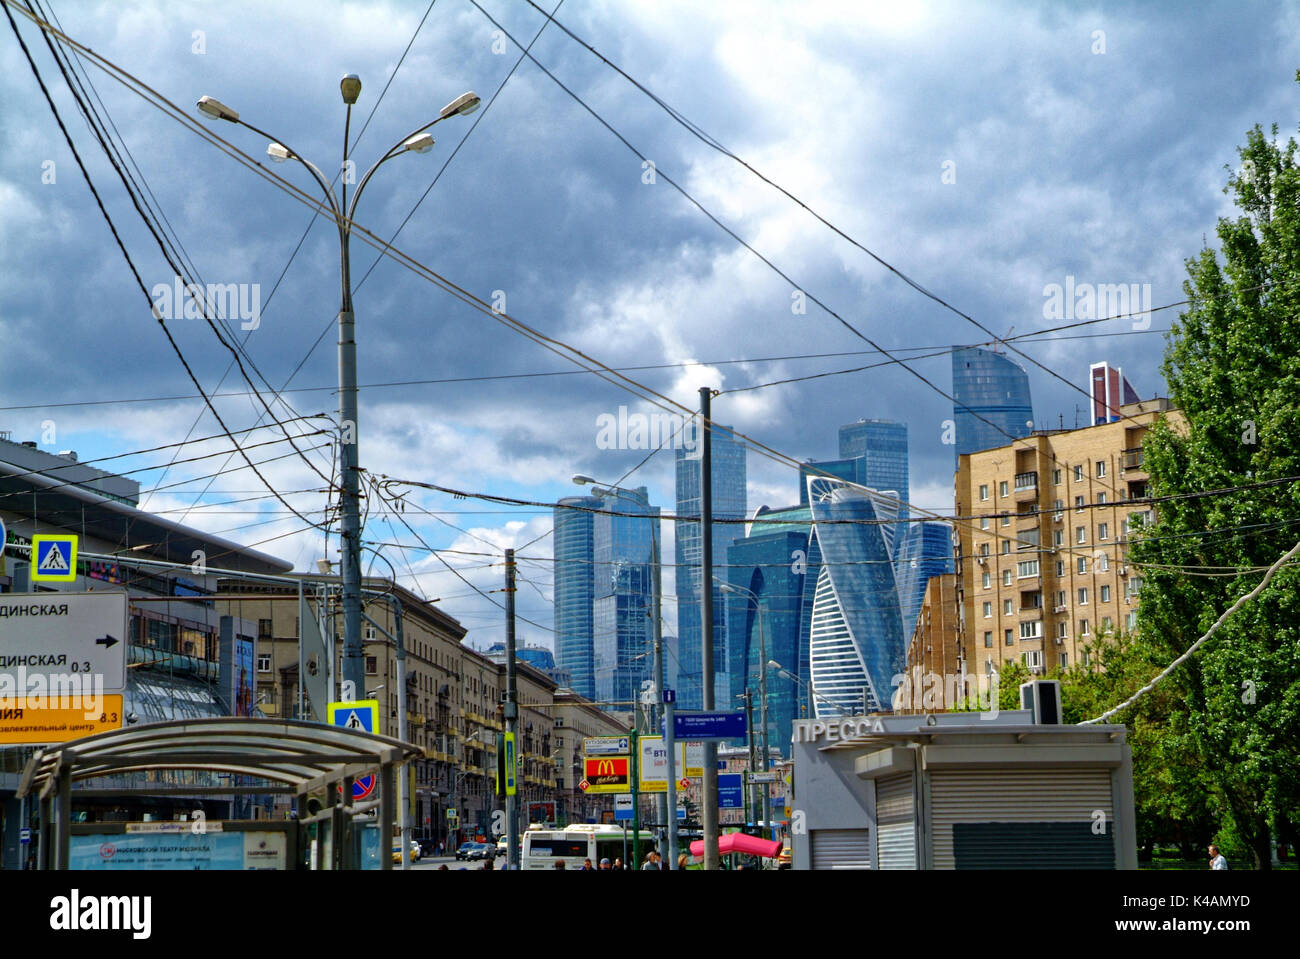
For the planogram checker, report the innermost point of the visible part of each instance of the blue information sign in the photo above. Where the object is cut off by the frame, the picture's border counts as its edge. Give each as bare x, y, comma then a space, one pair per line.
731, 791
696, 726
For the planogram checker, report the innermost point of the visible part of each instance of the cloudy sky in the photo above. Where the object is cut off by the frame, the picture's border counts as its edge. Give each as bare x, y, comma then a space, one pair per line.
986, 150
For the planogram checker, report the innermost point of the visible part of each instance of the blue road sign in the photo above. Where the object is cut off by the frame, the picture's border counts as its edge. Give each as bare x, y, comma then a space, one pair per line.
731, 791
681, 813
696, 726
24, 836
363, 786
623, 808
670, 696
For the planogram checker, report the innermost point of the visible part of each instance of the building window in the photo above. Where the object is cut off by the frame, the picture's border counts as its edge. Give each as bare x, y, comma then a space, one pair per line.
1032, 630
1065, 660
1006, 546
1060, 567
987, 584
1027, 568
984, 494
1084, 657
1101, 497
1083, 595
372, 665
1062, 630
1080, 535
263, 629
263, 662
1101, 468
1131, 620
1006, 607
1033, 658
1083, 627
1006, 520
988, 613
1103, 531
1009, 637
1002, 488
1058, 538
984, 549
371, 635
1103, 562
1105, 624
984, 524
1078, 474
1058, 505
1105, 597
1056, 477
1081, 564
1078, 504
988, 644
1006, 577
1060, 597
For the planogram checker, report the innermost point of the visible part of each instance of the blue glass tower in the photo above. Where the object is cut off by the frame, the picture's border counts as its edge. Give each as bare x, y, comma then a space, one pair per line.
925, 551
882, 446
729, 479
623, 596
574, 590
992, 400
856, 643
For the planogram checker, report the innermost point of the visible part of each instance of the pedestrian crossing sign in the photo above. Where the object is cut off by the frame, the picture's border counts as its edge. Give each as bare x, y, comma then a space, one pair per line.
361, 716
54, 558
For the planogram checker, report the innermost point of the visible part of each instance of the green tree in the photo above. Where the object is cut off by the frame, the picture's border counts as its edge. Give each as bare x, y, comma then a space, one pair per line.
1227, 507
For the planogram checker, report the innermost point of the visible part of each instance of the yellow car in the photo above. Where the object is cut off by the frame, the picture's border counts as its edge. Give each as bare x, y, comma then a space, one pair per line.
397, 854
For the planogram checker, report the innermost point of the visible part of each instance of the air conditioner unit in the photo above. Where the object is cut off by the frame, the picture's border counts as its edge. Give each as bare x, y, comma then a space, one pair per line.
981, 560
1123, 570
1060, 641
1058, 609
1057, 517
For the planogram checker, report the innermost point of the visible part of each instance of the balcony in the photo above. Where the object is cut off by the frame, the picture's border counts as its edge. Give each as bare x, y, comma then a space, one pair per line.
1131, 459
1026, 485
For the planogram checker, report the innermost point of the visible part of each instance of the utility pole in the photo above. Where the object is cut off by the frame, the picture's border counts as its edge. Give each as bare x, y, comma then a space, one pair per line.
634, 776
511, 717
710, 787
762, 700
749, 735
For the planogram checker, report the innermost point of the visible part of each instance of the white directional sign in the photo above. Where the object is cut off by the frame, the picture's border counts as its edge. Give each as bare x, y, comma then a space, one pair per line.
605, 746
756, 778
65, 634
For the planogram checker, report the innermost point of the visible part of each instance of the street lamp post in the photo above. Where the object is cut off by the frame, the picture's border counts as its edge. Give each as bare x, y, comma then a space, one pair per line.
419, 141
762, 691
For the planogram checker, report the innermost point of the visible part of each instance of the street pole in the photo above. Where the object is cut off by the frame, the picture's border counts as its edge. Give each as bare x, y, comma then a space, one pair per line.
402, 782
762, 700
511, 715
710, 786
749, 736
634, 775
670, 742
657, 708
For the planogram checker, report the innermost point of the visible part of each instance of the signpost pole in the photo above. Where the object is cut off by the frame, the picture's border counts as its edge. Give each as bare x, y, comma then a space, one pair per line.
511, 712
710, 786
671, 773
634, 754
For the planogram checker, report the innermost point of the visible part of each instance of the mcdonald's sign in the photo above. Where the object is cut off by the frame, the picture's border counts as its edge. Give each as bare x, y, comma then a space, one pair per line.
607, 774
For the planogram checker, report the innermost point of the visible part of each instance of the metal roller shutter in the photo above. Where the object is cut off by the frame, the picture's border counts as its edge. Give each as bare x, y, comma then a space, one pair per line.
895, 822
1066, 798
841, 848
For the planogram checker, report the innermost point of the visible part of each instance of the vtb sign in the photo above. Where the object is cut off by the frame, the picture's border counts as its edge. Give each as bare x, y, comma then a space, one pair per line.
607, 774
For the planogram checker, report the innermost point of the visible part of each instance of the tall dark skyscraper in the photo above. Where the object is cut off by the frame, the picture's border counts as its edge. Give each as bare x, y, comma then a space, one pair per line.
993, 400
729, 479
882, 446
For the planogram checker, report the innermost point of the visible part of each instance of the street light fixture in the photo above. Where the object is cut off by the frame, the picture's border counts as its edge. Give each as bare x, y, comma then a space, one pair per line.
343, 212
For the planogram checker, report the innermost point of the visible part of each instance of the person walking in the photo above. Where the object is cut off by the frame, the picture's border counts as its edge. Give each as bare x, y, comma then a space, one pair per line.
618, 864
586, 866
604, 865
1217, 861
682, 861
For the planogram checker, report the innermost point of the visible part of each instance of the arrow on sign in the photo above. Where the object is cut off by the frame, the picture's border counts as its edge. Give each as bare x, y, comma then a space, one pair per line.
106, 641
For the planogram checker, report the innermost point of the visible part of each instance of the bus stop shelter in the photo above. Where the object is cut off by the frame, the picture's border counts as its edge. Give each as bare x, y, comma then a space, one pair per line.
291, 758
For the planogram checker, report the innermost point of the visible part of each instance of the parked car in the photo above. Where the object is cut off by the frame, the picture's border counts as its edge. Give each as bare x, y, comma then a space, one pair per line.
397, 853
464, 849
415, 851
428, 847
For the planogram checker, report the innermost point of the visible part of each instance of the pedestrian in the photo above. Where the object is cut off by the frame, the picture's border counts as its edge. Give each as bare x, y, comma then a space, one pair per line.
1216, 859
442, 867
604, 865
487, 864
586, 866
649, 862
682, 860
559, 864
618, 864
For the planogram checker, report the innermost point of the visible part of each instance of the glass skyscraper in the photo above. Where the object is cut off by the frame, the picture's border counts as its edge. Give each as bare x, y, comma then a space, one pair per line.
882, 446
856, 643
574, 588
992, 400
623, 601
729, 479
925, 550
604, 593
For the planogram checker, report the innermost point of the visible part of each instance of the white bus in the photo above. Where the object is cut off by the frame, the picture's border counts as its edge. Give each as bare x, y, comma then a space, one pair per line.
574, 844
